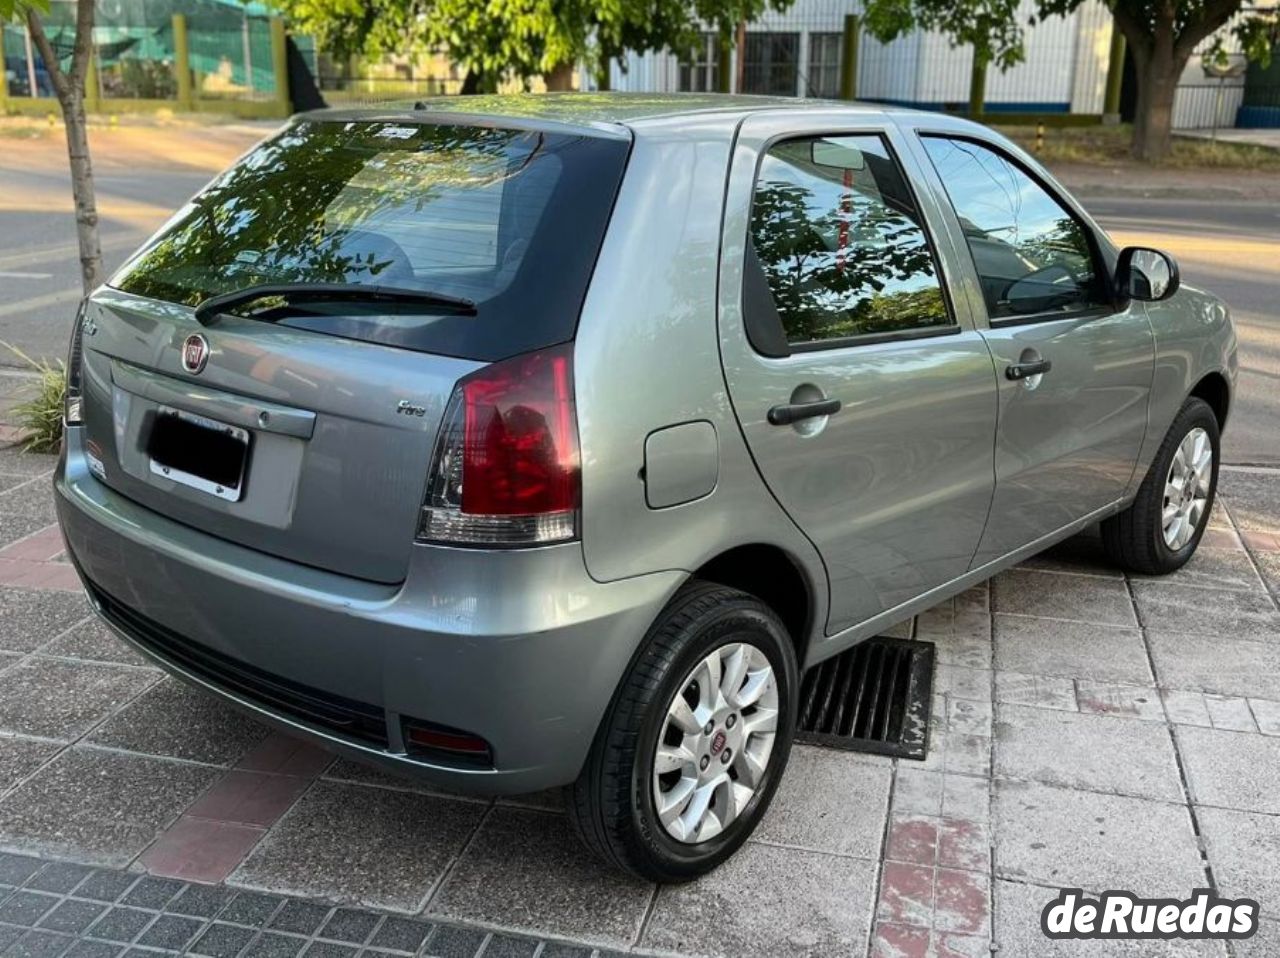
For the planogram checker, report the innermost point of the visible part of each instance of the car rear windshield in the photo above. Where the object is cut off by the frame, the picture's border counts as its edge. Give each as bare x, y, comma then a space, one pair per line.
510, 219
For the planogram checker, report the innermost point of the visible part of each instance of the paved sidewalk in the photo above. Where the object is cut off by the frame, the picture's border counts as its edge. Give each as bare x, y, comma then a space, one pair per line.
1090, 730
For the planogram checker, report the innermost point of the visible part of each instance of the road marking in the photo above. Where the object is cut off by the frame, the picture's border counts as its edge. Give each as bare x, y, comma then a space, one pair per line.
4, 275
39, 302
57, 251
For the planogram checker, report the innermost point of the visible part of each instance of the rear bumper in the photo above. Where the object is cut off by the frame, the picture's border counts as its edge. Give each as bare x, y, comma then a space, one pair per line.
522, 648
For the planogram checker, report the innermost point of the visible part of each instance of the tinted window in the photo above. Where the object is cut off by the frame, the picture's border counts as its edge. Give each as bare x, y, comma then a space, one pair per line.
510, 219
840, 242
1032, 256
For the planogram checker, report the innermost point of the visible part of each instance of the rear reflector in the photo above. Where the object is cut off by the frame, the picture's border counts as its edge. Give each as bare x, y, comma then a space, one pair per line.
427, 740
72, 412
506, 466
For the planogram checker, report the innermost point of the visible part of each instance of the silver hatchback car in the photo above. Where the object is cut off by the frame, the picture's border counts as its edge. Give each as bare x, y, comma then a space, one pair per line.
525, 442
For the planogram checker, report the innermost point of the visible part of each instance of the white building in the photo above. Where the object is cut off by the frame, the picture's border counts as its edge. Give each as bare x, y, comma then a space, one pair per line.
798, 53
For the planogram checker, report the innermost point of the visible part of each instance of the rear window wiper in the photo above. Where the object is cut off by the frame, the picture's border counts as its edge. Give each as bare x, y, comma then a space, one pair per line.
209, 308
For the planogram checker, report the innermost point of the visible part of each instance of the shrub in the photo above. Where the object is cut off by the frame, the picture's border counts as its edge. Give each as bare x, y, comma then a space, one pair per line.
40, 415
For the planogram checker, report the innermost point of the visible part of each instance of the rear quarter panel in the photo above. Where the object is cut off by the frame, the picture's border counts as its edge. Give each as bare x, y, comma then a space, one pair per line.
647, 357
1194, 338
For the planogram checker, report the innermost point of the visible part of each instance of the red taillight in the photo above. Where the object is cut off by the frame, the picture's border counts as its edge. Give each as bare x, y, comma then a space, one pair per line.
520, 445
506, 465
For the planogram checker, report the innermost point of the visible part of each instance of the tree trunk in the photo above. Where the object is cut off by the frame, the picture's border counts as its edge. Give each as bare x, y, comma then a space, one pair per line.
1153, 120
978, 84
560, 78
82, 191
69, 88
472, 82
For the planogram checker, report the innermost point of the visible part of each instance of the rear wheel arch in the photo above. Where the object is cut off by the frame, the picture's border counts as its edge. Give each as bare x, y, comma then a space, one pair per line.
775, 578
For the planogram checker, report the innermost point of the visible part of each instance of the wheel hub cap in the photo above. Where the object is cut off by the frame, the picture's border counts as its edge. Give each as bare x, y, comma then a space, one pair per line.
715, 743
1186, 488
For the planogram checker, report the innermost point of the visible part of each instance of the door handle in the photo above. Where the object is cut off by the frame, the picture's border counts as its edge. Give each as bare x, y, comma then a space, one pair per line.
796, 411
1019, 371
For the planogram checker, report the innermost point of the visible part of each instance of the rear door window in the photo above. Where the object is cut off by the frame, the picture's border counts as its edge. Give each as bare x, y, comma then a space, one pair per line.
836, 231
510, 219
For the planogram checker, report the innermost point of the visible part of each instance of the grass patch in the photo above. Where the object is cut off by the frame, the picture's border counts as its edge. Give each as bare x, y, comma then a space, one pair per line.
1109, 146
40, 415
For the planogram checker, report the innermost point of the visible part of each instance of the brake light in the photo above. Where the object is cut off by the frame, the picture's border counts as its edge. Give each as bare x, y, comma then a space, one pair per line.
506, 468
72, 411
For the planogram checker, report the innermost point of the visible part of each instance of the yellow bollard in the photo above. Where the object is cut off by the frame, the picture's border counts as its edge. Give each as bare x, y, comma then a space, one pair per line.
1039, 137
53, 120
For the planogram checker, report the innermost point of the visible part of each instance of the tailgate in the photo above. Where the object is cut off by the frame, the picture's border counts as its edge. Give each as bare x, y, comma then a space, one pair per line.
339, 432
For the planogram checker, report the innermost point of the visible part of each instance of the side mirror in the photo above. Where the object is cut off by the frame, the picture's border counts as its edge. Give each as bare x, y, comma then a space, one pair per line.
1146, 274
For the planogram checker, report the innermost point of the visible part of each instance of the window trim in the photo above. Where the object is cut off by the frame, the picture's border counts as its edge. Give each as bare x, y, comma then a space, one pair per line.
1102, 271
863, 339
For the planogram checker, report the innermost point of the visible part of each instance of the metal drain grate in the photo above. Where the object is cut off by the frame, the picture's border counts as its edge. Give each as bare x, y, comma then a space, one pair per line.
873, 698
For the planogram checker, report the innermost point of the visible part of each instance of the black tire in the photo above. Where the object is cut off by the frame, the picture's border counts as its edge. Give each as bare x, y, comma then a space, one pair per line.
1134, 539
611, 805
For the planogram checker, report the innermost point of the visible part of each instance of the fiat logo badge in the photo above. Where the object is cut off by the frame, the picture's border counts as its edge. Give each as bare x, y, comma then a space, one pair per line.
195, 353
718, 743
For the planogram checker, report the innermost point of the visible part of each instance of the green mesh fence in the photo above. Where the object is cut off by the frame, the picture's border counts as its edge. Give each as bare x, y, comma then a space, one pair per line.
229, 45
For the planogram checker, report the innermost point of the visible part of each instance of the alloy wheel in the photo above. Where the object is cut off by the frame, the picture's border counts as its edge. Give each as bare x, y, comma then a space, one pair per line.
715, 744
1186, 488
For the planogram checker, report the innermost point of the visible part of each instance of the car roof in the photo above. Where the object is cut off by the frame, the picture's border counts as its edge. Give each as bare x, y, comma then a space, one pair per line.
601, 112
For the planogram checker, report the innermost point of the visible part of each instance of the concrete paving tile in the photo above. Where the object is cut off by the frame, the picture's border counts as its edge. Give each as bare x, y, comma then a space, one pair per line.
448, 941
14, 526
1214, 569
33, 499
201, 901
1018, 934
1232, 769
94, 642
72, 917
961, 682
1037, 691
1265, 942
1254, 498
39, 944
1222, 664
170, 932
527, 870
29, 618
59, 877
55, 698
802, 903
106, 885
401, 934
1269, 564
27, 907
1062, 837
350, 924
122, 924
966, 797
1267, 714
505, 946
177, 721
15, 462
1056, 596
19, 757
829, 801
962, 638
251, 908
359, 773
917, 792
1121, 701
1169, 607
1082, 554
1243, 848
85, 948
270, 944
358, 845
222, 941
1230, 713
98, 807
1095, 752
1075, 650
1185, 708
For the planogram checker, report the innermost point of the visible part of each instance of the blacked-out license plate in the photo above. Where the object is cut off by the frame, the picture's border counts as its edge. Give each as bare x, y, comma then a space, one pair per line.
199, 452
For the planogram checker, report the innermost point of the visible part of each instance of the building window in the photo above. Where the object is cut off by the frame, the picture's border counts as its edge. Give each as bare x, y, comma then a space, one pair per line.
702, 74
824, 64
772, 64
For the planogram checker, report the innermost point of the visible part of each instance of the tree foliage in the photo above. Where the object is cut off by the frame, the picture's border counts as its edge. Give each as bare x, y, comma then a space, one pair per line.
989, 26
517, 38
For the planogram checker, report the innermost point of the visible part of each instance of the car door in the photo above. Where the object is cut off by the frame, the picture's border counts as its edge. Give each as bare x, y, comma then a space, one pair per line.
865, 395
1074, 371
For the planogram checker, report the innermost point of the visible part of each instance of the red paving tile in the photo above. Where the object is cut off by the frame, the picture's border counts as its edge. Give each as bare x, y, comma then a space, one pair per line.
284, 755
196, 849
900, 941
906, 894
1220, 539
40, 546
960, 902
249, 798
913, 840
1261, 541
963, 844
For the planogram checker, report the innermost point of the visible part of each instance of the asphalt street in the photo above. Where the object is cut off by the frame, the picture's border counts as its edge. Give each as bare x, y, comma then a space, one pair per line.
1227, 246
